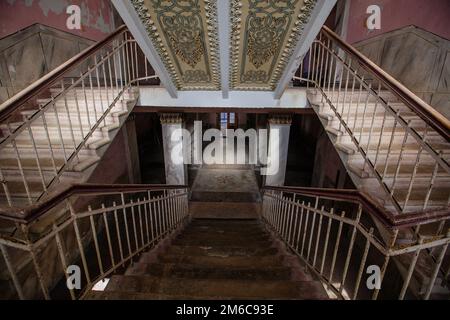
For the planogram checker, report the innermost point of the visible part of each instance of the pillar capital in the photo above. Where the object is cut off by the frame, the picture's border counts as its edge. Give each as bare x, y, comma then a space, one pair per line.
171, 118
281, 119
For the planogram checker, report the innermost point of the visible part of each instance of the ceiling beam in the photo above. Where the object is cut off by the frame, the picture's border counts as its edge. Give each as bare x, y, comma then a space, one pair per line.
223, 16
137, 29
150, 109
318, 17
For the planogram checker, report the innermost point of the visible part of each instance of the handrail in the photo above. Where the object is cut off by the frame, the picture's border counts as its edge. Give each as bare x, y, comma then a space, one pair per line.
33, 212
388, 219
10, 105
432, 117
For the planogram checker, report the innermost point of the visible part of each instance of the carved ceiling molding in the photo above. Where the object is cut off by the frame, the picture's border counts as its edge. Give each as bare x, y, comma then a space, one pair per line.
171, 118
263, 37
185, 34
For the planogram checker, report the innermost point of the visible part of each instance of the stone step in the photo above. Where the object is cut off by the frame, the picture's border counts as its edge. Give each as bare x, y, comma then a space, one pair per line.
193, 271
223, 261
220, 251
225, 210
219, 288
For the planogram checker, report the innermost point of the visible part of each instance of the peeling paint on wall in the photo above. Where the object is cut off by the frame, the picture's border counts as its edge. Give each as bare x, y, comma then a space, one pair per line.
96, 19
56, 7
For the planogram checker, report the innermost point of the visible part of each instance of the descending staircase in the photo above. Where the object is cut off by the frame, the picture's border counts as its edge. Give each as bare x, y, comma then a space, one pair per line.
216, 259
73, 114
378, 128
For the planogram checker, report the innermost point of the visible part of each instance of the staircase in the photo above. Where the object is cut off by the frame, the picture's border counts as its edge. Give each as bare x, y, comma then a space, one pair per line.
395, 147
67, 124
55, 131
373, 131
216, 259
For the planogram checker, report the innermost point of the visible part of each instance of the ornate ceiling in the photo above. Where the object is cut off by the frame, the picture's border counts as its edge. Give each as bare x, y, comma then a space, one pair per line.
263, 34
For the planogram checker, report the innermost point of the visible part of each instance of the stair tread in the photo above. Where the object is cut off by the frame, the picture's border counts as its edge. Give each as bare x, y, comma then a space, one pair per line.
218, 287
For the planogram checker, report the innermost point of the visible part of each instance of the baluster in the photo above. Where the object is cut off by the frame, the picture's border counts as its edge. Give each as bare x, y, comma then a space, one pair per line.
70, 120
350, 249
133, 219
291, 217
97, 248
400, 158
105, 80
313, 224
327, 237
296, 206
58, 126
36, 155
125, 219
379, 140
345, 92
99, 88
62, 257
305, 231
78, 111
108, 237
147, 231
119, 237
151, 214
309, 66
351, 100
319, 228
414, 173
140, 221
111, 82
50, 146
94, 104
320, 81
388, 154
357, 106
410, 270
336, 247
83, 88
136, 63
364, 116
160, 226
362, 264
79, 242
369, 140
431, 185
300, 225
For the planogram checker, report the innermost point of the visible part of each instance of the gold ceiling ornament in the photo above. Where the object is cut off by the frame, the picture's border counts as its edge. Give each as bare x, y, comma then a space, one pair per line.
171, 118
185, 34
263, 37
280, 119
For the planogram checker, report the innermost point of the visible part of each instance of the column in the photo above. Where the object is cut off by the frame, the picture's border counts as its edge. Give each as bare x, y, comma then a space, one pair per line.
279, 128
175, 171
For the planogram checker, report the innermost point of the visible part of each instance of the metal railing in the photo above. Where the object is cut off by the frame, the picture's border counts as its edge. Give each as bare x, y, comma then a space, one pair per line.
402, 141
103, 230
46, 128
335, 233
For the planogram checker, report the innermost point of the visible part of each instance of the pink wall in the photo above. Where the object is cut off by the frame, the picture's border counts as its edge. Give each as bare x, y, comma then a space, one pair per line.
97, 17
431, 15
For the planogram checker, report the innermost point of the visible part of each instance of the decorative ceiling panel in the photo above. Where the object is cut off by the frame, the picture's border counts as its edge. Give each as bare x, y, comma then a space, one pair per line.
184, 32
263, 36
